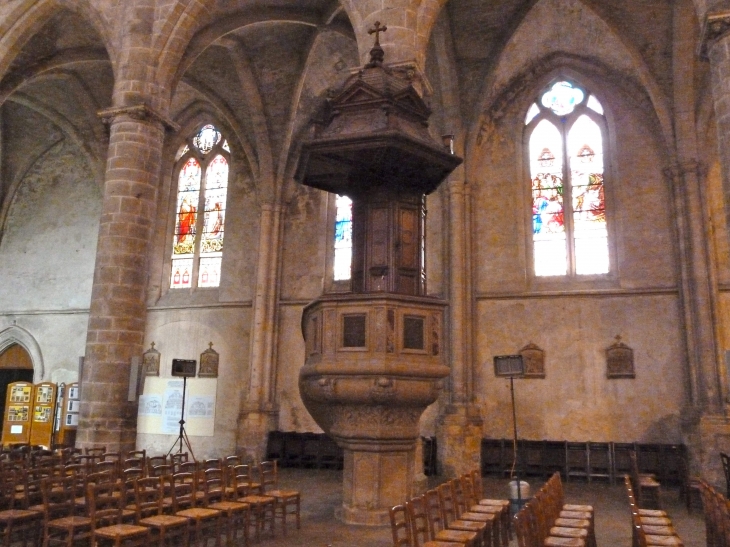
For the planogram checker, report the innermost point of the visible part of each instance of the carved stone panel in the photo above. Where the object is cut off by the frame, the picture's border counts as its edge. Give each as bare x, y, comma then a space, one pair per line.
209, 363
151, 361
534, 359
620, 360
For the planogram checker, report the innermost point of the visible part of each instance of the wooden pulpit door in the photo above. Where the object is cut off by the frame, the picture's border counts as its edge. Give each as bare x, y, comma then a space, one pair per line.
15, 366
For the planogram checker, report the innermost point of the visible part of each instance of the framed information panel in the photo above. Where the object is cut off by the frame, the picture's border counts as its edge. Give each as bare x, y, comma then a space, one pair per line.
44, 405
68, 420
17, 413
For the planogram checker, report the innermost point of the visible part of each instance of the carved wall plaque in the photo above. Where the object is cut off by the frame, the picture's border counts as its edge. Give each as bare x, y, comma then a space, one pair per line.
534, 358
620, 360
151, 361
209, 363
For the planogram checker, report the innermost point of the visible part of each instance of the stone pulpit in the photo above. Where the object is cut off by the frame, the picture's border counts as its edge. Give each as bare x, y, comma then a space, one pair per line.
374, 355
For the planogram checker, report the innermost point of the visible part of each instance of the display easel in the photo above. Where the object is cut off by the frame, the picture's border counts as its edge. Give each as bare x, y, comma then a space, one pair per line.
68, 420
44, 405
16, 415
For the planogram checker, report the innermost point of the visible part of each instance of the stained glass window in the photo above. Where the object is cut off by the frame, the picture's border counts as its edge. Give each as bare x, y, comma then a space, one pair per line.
343, 238
202, 185
570, 234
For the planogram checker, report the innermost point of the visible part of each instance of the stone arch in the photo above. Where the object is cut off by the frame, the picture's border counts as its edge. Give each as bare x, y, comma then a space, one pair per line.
17, 335
496, 85
30, 16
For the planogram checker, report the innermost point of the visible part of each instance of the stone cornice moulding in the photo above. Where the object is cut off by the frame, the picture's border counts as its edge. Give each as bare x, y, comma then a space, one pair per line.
715, 26
141, 112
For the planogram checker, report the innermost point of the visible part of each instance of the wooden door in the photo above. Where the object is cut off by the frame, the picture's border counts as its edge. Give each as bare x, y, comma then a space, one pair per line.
15, 366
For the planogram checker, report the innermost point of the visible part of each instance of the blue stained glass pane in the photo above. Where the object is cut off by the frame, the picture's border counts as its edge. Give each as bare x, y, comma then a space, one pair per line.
562, 98
343, 239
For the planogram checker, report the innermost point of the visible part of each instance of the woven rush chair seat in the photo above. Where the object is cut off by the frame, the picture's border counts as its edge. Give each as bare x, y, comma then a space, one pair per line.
440, 520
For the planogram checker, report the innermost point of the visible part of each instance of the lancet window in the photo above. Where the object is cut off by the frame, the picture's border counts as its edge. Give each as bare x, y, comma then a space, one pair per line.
197, 248
565, 131
343, 238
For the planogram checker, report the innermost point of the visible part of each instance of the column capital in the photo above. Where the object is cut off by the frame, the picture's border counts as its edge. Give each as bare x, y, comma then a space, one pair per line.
141, 112
715, 27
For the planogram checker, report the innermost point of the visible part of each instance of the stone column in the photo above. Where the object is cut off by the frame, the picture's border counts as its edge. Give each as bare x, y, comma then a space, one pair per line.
117, 316
459, 429
259, 411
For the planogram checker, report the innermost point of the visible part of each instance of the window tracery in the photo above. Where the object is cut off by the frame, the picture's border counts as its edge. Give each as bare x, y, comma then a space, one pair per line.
197, 249
565, 130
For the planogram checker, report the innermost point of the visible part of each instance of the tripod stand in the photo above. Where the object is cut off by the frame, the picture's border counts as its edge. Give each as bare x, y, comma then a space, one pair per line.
183, 435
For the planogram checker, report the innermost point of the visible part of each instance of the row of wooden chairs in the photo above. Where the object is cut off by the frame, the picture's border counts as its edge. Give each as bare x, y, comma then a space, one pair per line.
650, 527
20, 488
547, 521
451, 513
717, 516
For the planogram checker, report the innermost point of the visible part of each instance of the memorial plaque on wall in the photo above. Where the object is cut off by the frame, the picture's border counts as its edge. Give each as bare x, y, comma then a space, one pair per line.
209, 363
619, 360
151, 362
534, 359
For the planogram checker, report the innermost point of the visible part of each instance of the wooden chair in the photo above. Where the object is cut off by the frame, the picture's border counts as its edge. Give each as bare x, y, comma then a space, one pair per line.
288, 502
205, 523
646, 487
236, 515
17, 525
167, 530
105, 505
61, 525
399, 526
477, 490
262, 507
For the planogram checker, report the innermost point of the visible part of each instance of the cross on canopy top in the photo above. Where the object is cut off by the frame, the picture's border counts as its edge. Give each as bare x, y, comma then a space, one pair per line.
377, 30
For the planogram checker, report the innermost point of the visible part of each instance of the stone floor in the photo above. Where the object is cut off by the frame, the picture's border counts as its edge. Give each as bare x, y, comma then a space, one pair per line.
321, 495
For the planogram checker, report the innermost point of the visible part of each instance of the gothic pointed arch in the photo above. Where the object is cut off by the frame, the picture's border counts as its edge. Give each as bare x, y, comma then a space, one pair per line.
16, 335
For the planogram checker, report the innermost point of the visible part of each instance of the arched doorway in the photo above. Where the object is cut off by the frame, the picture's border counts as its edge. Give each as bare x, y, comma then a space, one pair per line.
15, 366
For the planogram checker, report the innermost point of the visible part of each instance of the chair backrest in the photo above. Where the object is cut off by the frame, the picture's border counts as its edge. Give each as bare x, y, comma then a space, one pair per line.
449, 511
107, 465
268, 474
58, 497
433, 512
95, 450
183, 491
230, 461
137, 454
160, 470
148, 494
213, 463
187, 467
132, 473
239, 480
399, 526
156, 460
213, 486
177, 459
416, 511
104, 502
